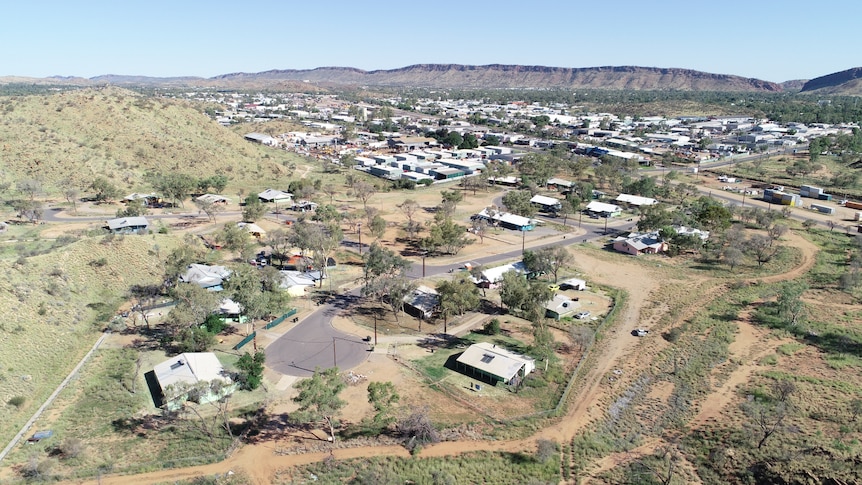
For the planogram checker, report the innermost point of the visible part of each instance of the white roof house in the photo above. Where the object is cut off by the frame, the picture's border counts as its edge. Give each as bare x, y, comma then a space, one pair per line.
507, 220
128, 224
295, 282
603, 208
636, 200
560, 306
213, 199
252, 228
273, 195
494, 275
490, 362
205, 276
560, 183
545, 201
187, 370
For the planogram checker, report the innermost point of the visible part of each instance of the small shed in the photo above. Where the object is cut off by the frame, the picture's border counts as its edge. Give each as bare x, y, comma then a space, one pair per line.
574, 284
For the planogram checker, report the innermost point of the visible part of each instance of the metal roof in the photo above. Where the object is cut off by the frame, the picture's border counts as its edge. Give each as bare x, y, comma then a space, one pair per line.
494, 360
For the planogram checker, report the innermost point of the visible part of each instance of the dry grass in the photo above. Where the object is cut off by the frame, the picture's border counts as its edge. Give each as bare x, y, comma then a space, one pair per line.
54, 301
70, 138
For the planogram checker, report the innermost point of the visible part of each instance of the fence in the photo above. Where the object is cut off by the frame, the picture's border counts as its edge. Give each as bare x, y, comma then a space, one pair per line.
268, 326
280, 319
244, 341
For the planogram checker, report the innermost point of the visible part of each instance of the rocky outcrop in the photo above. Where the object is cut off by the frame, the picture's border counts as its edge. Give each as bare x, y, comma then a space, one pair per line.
844, 82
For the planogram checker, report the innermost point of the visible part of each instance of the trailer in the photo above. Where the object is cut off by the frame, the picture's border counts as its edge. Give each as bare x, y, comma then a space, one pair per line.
822, 208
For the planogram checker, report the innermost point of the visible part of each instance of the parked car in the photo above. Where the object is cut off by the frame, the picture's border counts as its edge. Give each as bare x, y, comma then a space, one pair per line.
640, 332
582, 315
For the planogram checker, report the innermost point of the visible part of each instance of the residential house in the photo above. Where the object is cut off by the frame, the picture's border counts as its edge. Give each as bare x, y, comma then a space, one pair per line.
209, 277
422, 303
492, 364
491, 277
273, 195
128, 225
231, 311
637, 244
214, 199
147, 200
295, 283
602, 209
561, 306
304, 206
635, 200
559, 184
546, 204
176, 375
506, 220
252, 229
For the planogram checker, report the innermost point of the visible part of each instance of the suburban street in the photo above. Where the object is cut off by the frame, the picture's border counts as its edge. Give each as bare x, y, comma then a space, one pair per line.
314, 342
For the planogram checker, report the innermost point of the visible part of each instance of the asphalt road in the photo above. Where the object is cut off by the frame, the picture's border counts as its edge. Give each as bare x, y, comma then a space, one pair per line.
314, 343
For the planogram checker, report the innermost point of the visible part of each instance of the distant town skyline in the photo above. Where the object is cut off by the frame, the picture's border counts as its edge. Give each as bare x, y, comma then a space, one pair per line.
765, 40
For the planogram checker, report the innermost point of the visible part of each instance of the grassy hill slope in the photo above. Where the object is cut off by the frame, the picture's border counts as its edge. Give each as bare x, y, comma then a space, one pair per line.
55, 304
72, 137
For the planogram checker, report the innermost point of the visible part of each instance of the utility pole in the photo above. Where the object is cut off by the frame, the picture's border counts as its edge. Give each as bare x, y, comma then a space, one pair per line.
334, 358
523, 239
359, 231
424, 253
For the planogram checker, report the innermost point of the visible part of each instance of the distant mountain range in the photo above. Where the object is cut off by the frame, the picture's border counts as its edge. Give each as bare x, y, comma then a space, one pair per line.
494, 76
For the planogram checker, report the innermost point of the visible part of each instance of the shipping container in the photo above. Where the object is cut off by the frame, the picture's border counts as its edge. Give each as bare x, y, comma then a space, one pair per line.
822, 208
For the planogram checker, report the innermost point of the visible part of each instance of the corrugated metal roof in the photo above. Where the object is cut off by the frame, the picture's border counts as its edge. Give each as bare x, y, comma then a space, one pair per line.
494, 360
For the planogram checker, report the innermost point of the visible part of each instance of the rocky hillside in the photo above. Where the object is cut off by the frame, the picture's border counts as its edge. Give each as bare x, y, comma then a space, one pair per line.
511, 76
455, 76
847, 82
69, 138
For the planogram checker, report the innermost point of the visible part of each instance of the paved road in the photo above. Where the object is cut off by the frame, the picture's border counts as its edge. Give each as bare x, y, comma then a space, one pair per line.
316, 343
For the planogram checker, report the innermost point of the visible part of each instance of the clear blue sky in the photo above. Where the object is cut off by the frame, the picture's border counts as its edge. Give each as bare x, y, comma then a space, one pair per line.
770, 40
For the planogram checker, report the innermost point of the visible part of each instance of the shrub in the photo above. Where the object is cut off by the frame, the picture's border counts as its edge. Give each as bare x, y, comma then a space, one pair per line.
672, 335
17, 401
545, 450
72, 447
492, 327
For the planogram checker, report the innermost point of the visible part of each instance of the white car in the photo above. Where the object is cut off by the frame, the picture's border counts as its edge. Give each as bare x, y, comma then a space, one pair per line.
582, 315
640, 332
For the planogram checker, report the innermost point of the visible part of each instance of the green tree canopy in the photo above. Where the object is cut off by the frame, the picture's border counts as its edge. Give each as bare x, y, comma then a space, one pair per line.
319, 400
